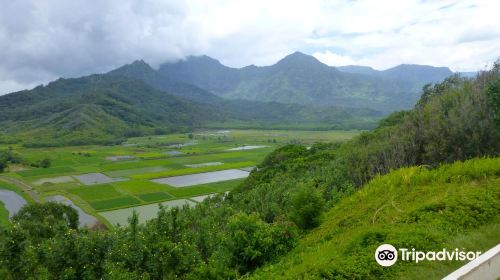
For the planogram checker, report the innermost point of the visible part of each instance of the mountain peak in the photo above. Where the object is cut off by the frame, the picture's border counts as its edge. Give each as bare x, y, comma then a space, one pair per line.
204, 59
421, 73
137, 65
139, 62
298, 58
414, 67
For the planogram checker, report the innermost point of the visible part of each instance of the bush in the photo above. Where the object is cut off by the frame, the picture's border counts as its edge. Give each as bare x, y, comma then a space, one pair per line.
251, 241
45, 163
307, 206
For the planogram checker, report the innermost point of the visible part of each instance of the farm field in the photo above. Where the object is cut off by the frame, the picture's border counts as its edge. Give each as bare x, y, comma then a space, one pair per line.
145, 212
143, 171
11, 200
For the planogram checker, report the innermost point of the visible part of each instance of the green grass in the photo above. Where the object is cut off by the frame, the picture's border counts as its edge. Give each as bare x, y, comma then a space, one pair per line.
114, 203
481, 239
454, 206
45, 171
156, 196
223, 186
140, 186
4, 215
128, 172
95, 192
189, 191
145, 212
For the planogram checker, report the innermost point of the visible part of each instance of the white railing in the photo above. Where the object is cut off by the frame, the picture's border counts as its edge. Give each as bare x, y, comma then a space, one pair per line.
485, 267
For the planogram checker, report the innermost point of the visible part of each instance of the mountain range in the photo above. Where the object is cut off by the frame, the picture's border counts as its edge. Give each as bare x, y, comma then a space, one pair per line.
135, 99
302, 79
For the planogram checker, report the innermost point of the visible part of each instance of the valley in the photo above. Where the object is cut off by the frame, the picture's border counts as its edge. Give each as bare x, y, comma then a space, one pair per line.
210, 140
109, 182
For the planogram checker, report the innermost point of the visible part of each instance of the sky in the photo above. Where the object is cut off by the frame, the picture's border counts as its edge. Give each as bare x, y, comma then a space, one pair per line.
42, 40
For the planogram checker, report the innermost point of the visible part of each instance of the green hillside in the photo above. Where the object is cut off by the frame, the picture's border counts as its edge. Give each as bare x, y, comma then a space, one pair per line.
454, 206
96, 109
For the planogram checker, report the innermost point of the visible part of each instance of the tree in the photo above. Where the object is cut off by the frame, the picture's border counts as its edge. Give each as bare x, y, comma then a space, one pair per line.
308, 204
45, 220
493, 93
3, 164
45, 163
251, 241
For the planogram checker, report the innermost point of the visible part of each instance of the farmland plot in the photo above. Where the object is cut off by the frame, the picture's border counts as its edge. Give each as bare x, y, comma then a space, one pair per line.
83, 218
145, 212
202, 178
12, 201
96, 178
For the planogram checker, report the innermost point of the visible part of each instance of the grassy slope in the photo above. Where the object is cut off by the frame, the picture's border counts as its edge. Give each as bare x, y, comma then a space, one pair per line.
457, 205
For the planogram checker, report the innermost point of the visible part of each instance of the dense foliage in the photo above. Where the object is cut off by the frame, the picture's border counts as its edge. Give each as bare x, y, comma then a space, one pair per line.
453, 206
225, 237
9, 157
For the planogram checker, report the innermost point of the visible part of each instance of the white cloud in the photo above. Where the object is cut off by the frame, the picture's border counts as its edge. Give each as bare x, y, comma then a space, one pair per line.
43, 40
334, 59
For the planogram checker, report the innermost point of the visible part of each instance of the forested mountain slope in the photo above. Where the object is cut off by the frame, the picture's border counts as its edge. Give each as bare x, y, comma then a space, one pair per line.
415, 76
135, 100
265, 114
302, 79
97, 109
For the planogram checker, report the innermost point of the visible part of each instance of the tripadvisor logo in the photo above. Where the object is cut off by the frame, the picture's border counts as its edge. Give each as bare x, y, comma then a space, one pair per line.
387, 255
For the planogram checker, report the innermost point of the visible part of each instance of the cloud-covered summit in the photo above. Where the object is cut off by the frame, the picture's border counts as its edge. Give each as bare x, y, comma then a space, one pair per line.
43, 40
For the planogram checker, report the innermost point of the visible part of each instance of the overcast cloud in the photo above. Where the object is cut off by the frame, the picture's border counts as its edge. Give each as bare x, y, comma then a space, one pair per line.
41, 40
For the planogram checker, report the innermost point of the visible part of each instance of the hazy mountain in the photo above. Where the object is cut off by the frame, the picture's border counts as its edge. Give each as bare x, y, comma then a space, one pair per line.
142, 71
244, 110
416, 76
356, 69
471, 74
302, 79
407, 72
136, 99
